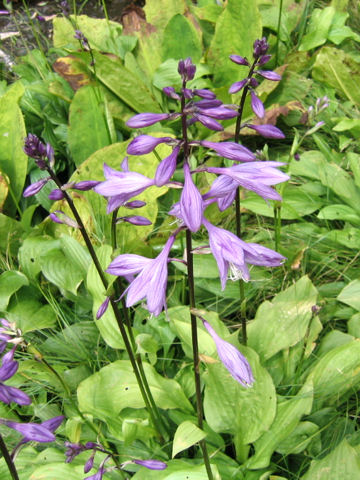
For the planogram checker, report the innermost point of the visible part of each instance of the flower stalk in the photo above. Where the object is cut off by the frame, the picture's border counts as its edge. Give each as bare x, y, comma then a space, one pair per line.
9, 462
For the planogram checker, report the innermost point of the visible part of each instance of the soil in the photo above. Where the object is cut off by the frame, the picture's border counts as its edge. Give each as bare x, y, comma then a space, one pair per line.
17, 28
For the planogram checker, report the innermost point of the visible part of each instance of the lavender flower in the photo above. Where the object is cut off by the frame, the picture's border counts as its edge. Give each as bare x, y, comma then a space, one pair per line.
103, 307
233, 360
58, 216
144, 144
269, 75
151, 281
166, 168
146, 119
267, 131
151, 464
73, 450
65, 8
237, 86
85, 185
261, 46
191, 204
239, 60
99, 474
230, 150
56, 194
135, 220
232, 253
186, 69
35, 187
255, 176
257, 105
11, 394
34, 432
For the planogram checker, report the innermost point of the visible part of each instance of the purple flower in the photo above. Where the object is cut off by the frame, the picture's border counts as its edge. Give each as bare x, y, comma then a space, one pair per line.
103, 307
151, 281
232, 253
119, 186
58, 216
33, 147
204, 93
151, 464
73, 450
56, 194
186, 69
170, 92
65, 8
100, 472
191, 204
34, 432
269, 75
267, 131
239, 60
8, 368
262, 60
224, 190
146, 119
145, 144
166, 168
135, 204
257, 105
255, 176
135, 220
237, 86
260, 47
85, 185
230, 150
35, 187
233, 360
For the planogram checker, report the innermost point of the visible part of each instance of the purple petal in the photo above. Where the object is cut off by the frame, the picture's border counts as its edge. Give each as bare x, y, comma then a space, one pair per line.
264, 59
56, 194
237, 86
123, 183
232, 359
267, 131
32, 432
220, 113
103, 307
269, 75
146, 119
191, 204
127, 264
35, 188
166, 168
135, 204
137, 220
239, 60
170, 92
257, 105
12, 394
85, 185
208, 103
204, 93
151, 464
145, 144
230, 150
208, 122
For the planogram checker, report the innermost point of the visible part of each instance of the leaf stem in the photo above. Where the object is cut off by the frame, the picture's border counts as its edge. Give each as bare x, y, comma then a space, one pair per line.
8, 460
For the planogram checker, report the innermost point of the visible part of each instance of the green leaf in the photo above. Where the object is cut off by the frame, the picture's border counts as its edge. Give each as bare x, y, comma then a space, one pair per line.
237, 28
354, 325
318, 29
354, 160
30, 315
75, 253
336, 373
190, 46
125, 84
55, 471
283, 322
119, 378
300, 438
288, 415
177, 470
186, 435
10, 232
351, 295
231, 408
10, 282
13, 161
343, 462
60, 271
337, 69
159, 12
339, 212
87, 131
31, 251
348, 237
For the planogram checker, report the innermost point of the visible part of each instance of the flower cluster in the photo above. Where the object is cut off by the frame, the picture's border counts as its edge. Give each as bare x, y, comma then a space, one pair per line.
74, 449
31, 432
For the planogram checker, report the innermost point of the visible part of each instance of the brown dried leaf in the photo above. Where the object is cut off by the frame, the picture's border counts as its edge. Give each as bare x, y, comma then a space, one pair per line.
73, 70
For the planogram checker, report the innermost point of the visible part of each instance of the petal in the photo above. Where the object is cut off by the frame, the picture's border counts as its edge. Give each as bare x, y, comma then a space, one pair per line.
257, 105
191, 203
269, 75
237, 86
208, 122
128, 264
146, 119
166, 168
267, 131
230, 150
145, 144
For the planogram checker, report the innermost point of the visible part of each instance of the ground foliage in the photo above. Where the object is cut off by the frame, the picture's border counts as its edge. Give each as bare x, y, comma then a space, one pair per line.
300, 420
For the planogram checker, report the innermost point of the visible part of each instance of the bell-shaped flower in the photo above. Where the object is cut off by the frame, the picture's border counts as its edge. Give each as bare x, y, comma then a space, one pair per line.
255, 176
267, 131
145, 144
261, 46
34, 432
230, 150
269, 75
151, 281
223, 189
239, 60
35, 187
146, 119
151, 464
257, 105
191, 203
166, 168
233, 254
237, 86
10, 394
233, 360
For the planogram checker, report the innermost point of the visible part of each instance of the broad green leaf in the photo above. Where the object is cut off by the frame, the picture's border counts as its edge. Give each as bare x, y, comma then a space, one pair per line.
177, 470
29, 314
159, 12
354, 325
332, 340
296, 203
348, 237
107, 324
10, 282
300, 438
56, 471
205, 266
10, 232
96, 30
283, 322
334, 374
342, 463
351, 124
310, 165
339, 31
60, 271
186, 435
4, 190
31, 251
288, 416
75, 253
87, 131
354, 160
351, 294
189, 46
318, 29
237, 28
13, 161
339, 212
231, 408
337, 69
125, 84
119, 378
